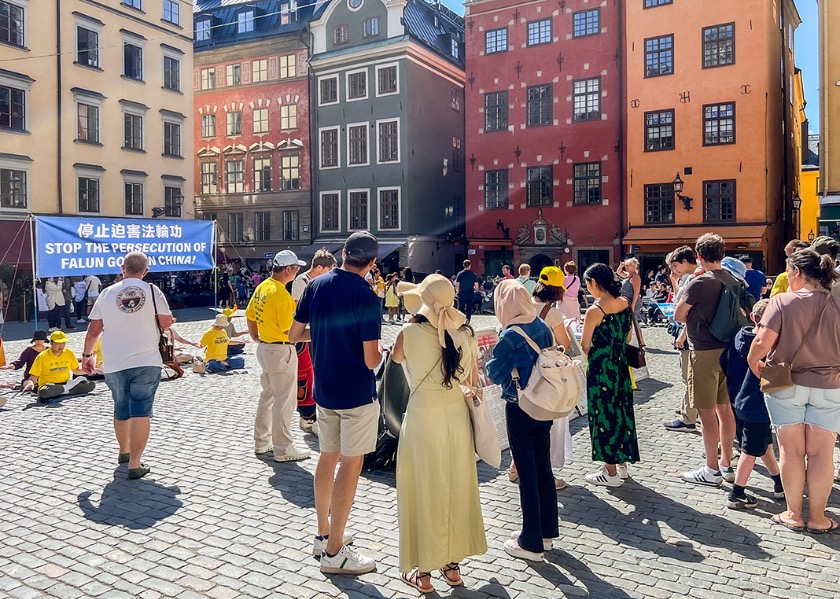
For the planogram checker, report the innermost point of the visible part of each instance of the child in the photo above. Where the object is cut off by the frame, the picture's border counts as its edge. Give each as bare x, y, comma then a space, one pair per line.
216, 341
27, 357
51, 372
392, 302
756, 436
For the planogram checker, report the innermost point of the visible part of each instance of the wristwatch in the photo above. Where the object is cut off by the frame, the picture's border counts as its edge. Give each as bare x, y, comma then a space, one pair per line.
88, 355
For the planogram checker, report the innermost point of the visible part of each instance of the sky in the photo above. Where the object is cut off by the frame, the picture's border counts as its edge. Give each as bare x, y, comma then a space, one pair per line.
805, 47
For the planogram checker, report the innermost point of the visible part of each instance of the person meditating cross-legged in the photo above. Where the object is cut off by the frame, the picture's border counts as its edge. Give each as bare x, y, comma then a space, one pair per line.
51, 372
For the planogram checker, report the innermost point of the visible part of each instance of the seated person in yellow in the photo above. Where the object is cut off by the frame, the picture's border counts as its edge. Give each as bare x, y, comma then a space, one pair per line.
216, 341
235, 347
52, 370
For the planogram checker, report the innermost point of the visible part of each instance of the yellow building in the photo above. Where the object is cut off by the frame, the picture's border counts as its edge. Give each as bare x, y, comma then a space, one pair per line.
806, 216
829, 15
95, 114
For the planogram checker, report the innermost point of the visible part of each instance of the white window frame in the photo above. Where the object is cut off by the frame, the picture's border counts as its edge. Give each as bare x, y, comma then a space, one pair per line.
349, 221
285, 114
133, 110
23, 164
388, 65
337, 91
263, 72
84, 23
203, 30
215, 125
89, 100
24, 4
209, 71
379, 207
291, 65
347, 97
229, 71
134, 180
246, 21
336, 192
366, 125
84, 173
267, 128
321, 150
399, 153
172, 55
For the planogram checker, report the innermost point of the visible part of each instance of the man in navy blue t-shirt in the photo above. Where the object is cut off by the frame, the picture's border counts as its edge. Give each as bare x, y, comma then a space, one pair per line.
344, 318
756, 281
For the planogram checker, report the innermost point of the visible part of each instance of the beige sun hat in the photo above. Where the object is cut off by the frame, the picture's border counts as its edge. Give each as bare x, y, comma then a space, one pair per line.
433, 298
221, 321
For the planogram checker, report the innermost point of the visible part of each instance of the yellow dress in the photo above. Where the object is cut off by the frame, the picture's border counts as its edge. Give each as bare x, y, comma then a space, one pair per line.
438, 503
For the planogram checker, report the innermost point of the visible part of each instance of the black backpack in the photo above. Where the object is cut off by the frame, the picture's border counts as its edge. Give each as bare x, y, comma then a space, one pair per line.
733, 310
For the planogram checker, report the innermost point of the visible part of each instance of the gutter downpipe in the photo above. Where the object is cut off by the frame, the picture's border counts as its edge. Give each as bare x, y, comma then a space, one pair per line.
58, 102
623, 196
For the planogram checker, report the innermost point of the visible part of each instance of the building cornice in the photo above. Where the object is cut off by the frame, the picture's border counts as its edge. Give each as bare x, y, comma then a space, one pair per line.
136, 19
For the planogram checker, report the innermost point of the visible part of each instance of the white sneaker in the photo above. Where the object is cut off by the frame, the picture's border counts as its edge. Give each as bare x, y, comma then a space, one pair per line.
319, 545
314, 430
621, 469
52, 329
548, 544
305, 424
347, 561
512, 548
837, 475
602, 477
294, 455
727, 473
703, 476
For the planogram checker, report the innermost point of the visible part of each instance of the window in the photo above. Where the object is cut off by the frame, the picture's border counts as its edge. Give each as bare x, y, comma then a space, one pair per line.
288, 66
173, 199
496, 189
371, 27
290, 171
719, 124
88, 123
235, 176
659, 56
260, 120
389, 208
659, 130
457, 156
133, 62
652, 3
455, 99
329, 212
12, 108
540, 186
291, 225
539, 105
87, 46
357, 85
11, 24
496, 111
719, 45
245, 21
386, 80
539, 32
329, 148
288, 12
133, 198
586, 22
389, 141
357, 145
259, 71
132, 4
328, 91
455, 47
171, 73
209, 177
288, 117
202, 30
233, 74
262, 173
659, 203
234, 123
586, 99
171, 139
587, 183
88, 194
358, 210
341, 35
495, 41
208, 125
133, 138
12, 188
262, 226
719, 201
172, 11
235, 227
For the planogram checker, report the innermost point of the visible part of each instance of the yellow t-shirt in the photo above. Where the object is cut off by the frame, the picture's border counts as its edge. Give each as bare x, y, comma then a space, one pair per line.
273, 309
780, 285
50, 368
97, 349
216, 341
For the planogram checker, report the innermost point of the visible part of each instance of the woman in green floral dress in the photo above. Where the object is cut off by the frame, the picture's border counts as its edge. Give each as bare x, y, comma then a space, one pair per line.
612, 423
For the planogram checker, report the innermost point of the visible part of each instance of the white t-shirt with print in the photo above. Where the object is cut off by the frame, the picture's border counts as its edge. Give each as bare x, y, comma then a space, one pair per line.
130, 334
94, 285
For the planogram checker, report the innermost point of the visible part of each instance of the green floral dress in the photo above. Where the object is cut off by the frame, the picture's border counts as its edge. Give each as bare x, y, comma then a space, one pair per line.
612, 423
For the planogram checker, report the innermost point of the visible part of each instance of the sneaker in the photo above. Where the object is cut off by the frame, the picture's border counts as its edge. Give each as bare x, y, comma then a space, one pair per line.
70, 328
727, 472
602, 477
315, 430
621, 470
678, 426
306, 424
347, 561
50, 391
53, 329
263, 450
703, 476
84, 387
837, 475
319, 545
82, 320
512, 548
295, 455
548, 544
778, 492
746, 502
560, 484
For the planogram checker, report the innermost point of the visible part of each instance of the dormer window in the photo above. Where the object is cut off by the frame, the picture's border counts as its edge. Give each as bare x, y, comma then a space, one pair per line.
202, 30
341, 35
454, 47
371, 27
245, 21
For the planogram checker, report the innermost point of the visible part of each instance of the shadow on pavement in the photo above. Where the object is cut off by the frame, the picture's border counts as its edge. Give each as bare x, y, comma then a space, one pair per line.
595, 585
353, 587
135, 504
294, 482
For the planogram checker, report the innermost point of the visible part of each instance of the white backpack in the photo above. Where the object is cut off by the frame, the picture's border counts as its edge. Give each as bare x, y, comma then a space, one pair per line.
555, 384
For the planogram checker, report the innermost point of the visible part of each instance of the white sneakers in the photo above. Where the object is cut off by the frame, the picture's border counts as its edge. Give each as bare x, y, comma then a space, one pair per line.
727, 473
512, 548
602, 478
703, 476
294, 455
347, 561
319, 544
548, 544
621, 469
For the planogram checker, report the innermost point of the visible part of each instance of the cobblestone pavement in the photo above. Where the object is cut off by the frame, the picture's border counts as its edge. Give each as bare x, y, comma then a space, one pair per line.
212, 520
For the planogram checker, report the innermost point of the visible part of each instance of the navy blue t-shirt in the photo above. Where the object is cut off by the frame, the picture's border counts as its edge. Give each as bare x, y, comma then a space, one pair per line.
755, 281
342, 312
466, 280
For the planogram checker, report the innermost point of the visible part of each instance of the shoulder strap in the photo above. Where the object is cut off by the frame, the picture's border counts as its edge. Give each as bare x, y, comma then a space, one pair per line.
530, 341
544, 311
810, 328
154, 303
597, 305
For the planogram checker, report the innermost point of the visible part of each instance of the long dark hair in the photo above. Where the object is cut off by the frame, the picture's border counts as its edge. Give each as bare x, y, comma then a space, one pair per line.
451, 356
604, 277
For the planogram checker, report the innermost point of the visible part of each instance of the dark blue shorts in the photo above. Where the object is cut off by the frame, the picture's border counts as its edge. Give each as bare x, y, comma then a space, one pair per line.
134, 391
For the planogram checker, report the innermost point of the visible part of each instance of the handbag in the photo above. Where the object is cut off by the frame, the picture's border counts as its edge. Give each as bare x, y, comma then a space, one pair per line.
485, 437
165, 347
775, 377
635, 355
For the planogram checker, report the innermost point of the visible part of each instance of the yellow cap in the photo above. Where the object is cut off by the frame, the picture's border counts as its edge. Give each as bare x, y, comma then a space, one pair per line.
552, 276
59, 337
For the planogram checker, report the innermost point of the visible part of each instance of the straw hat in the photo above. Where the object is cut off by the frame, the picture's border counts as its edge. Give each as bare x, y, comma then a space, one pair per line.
221, 321
433, 299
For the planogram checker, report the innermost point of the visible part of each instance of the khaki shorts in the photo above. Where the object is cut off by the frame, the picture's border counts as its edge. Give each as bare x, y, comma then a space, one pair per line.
706, 380
353, 432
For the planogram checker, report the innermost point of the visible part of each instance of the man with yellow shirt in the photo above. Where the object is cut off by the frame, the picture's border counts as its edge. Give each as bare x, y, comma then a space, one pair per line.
51, 372
780, 285
269, 314
216, 341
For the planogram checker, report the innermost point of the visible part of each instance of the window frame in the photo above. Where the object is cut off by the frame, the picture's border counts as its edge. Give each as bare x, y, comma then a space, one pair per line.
234, 178
349, 88
705, 44
95, 62
542, 102
136, 62
291, 225
205, 175
658, 126
539, 33
136, 208
538, 186
379, 212
233, 73
496, 107
322, 80
179, 146
245, 21
206, 120
171, 207
203, 30
497, 48
134, 110
265, 123
586, 24
15, 87
658, 52
236, 223
262, 225
718, 120
22, 168
172, 4
259, 70
321, 212
287, 63
587, 177
379, 144
501, 189
720, 197
590, 115
168, 80
288, 113
368, 32
341, 35
362, 226
96, 107
262, 184
131, 137
381, 67
349, 128
90, 177
24, 24
289, 183
228, 114
208, 82
655, 3
664, 201
321, 131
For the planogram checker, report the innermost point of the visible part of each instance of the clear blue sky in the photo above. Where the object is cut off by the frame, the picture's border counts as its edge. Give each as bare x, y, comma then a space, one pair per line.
807, 55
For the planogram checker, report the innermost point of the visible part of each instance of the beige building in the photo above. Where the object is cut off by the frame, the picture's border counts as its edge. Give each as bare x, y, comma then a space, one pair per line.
829, 182
95, 114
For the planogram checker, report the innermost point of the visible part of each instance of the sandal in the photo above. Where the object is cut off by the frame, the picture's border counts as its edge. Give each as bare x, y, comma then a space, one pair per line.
123, 458
452, 567
413, 578
832, 526
560, 484
777, 519
135, 473
513, 474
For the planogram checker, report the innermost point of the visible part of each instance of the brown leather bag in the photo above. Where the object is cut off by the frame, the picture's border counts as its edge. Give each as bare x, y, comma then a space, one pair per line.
635, 355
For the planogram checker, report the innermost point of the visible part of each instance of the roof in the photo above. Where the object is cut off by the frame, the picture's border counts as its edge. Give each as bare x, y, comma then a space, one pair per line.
433, 25
678, 235
266, 19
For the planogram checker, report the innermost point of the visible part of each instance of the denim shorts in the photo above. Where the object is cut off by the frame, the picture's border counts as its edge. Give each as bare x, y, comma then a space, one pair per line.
797, 404
134, 391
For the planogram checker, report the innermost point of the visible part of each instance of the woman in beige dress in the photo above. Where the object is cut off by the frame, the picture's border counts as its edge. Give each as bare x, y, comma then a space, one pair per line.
438, 502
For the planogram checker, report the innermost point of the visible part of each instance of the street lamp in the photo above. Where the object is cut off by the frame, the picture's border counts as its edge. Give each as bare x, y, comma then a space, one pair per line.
678, 189
811, 236
173, 209
797, 203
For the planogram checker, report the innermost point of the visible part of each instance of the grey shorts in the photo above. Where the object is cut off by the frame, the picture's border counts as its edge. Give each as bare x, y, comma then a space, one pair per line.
352, 432
798, 404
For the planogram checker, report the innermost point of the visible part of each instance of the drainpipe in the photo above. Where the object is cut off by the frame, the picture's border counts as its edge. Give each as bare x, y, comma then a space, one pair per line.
58, 100
622, 47
307, 33
825, 164
790, 226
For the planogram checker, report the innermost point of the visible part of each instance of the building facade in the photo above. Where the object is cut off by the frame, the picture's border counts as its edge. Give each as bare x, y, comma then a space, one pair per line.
95, 110
543, 132
829, 182
710, 95
388, 129
251, 128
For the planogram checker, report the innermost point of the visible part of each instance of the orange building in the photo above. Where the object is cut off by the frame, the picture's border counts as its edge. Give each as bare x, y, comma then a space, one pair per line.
710, 108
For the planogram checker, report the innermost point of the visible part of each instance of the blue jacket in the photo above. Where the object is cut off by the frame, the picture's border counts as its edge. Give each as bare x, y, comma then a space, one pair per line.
744, 391
512, 351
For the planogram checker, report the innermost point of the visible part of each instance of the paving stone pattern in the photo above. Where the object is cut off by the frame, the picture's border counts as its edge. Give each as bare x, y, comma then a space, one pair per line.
212, 520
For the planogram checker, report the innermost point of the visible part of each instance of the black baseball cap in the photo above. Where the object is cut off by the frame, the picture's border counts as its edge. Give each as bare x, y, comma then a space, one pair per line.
361, 246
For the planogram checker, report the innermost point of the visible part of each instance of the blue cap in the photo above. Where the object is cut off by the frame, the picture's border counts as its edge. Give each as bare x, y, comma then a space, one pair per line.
735, 266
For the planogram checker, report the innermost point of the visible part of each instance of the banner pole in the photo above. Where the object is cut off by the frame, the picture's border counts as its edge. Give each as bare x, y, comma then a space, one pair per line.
215, 266
34, 270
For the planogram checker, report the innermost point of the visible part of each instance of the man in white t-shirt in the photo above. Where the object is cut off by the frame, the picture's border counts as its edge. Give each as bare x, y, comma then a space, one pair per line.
129, 316
94, 286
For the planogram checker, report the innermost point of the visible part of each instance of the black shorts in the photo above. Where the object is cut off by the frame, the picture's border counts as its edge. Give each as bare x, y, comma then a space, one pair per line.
756, 437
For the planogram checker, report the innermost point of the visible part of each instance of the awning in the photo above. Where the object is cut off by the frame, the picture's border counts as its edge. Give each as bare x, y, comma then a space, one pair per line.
501, 242
308, 251
14, 242
388, 247
830, 200
685, 235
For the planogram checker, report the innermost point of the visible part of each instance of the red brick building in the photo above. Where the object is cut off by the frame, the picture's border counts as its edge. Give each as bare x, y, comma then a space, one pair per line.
543, 131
